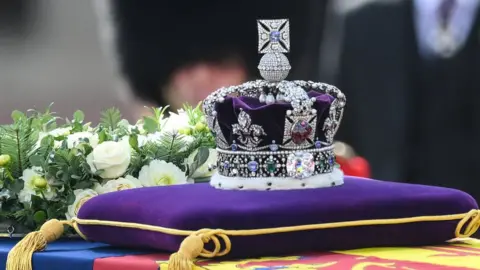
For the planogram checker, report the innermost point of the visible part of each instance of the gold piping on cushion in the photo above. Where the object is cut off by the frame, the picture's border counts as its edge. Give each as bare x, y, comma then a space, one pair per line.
20, 257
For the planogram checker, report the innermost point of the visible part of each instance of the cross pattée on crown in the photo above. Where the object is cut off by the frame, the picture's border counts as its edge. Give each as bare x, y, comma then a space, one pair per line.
273, 36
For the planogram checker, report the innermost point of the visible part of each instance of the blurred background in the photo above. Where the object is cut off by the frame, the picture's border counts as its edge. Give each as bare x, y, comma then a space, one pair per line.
50, 52
409, 68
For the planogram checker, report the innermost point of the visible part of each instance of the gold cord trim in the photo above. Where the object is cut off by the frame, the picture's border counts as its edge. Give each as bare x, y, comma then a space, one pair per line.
192, 247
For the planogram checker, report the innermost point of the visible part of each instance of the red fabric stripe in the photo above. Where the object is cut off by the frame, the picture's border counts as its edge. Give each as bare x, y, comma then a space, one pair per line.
136, 262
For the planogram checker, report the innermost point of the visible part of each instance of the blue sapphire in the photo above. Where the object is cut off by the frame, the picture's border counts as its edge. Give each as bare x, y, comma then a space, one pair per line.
252, 166
226, 165
275, 36
234, 147
318, 144
331, 160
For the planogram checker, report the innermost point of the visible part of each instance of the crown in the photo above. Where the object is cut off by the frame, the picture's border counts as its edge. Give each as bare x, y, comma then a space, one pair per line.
272, 133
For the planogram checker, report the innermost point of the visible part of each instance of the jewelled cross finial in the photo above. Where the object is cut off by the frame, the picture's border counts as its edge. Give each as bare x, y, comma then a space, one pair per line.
273, 36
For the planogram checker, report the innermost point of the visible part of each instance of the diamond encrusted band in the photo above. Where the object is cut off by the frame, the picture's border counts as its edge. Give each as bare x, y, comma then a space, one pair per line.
294, 164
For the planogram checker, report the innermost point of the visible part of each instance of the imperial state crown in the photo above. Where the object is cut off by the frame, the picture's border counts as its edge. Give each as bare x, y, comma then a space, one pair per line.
272, 133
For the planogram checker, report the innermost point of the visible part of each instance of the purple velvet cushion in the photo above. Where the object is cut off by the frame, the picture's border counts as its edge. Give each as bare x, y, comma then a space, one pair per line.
197, 206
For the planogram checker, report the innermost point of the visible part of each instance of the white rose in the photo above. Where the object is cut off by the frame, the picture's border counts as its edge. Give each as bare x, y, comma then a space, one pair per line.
203, 170
75, 138
111, 157
128, 182
81, 196
35, 184
161, 173
175, 121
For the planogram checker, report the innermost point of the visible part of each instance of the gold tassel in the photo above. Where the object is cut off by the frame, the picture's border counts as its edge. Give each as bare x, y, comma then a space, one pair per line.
189, 250
20, 256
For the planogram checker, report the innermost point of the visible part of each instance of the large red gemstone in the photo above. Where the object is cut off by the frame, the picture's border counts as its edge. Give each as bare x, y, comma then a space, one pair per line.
301, 131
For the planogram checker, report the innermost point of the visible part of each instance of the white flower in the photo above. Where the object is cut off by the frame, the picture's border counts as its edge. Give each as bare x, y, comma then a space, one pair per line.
55, 133
203, 170
175, 121
161, 173
81, 196
111, 157
25, 196
128, 182
138, 127
154, 137
143, 139
60, 132
75, 138
35, 184
97, 187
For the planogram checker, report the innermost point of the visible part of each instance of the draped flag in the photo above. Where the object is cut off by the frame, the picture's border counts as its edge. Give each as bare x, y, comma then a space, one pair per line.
80, 255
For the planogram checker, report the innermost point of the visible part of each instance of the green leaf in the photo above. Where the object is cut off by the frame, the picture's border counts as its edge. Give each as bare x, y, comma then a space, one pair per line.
52, 212
110, 118
159, 112
200, 158
77, 127
150, 125
133, 141
59, 174
16, 186
37, 200
47, 141
37, 160
40, 217
17, 115
70, 198
79, 116
83, 185
102, 136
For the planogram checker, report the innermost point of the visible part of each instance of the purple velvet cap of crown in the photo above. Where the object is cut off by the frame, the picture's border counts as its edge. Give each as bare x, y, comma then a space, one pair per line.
271, 117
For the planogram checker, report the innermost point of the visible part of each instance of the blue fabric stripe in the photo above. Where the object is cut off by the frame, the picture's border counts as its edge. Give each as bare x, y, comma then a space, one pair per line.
71, 254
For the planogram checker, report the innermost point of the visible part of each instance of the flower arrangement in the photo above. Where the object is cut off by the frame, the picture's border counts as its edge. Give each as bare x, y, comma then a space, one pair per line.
48, 170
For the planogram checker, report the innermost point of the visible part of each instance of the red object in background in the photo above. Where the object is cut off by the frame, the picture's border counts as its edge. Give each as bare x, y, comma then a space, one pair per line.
356, 166
349, 162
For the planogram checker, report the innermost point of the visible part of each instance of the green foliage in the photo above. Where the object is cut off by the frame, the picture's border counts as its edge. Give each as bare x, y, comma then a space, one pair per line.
111, 118
36, 141
195, 114
153, 123
17, 141
199, 159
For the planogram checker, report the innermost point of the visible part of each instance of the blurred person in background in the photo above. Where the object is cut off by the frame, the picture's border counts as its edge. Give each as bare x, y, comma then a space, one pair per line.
172, 52
410, 71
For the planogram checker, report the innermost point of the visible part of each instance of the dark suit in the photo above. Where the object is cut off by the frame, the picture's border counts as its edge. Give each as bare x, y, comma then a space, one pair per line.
415, 120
